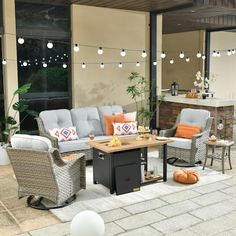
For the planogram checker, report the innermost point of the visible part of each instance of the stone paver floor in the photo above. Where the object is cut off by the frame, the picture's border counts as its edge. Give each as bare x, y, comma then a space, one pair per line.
209, 210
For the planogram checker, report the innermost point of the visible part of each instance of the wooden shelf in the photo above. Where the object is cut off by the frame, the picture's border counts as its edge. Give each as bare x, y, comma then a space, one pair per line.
150, 180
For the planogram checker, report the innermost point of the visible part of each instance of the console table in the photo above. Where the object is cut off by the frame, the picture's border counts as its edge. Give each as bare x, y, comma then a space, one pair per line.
119, 168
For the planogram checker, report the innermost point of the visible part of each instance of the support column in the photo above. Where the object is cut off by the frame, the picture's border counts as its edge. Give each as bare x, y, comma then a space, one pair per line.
155, 70
207, 53
74, 56
9, 52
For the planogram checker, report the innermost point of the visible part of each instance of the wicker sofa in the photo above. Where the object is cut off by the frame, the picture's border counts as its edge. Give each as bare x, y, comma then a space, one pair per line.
87, 120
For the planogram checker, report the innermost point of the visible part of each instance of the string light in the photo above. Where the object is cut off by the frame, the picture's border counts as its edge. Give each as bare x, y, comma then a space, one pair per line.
218, 54
181, 55
50, 45
144, 54
172, 61
203, 57
83, 65
214, 54
21, 40
4, 62
123, 53
64, 65
120, 65
25, 63
76, 47
100, 51
233, 51
163, 55
102, 65
198, 54
138, 64
229, 53
45, 64
154, 63
187, 59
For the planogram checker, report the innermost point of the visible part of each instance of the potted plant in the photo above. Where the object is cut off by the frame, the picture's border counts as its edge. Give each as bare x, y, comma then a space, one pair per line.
9, 125
139, 91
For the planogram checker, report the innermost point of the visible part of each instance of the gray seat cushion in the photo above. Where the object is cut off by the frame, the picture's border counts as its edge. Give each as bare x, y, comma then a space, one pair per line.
194, 117
87, 121
180, 143
31, 142
77, 145
108, 110
56, 119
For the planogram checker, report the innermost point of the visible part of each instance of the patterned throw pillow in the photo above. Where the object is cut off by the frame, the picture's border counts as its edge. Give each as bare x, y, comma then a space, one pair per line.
125, 128
64, 134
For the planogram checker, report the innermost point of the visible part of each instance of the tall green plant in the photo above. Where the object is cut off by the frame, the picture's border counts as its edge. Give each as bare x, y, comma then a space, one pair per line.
139, 91
9, 125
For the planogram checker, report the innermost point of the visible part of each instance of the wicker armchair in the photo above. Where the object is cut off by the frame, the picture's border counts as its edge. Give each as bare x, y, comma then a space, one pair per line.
42, 174
185, 151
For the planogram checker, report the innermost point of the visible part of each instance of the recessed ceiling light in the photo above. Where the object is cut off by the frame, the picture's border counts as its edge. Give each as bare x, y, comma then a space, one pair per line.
179, 24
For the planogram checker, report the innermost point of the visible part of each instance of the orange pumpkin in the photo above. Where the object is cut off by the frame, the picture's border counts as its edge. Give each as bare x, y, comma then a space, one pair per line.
188, 176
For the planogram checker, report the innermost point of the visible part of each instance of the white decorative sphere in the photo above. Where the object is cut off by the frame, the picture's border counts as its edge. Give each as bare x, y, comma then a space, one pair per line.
87, 223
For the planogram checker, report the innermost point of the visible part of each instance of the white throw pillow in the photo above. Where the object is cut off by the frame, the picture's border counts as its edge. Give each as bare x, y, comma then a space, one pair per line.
125, 128
130, 116
64, 134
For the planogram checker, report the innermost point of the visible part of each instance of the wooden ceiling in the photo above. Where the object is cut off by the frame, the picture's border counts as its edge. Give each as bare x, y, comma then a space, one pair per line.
178, 15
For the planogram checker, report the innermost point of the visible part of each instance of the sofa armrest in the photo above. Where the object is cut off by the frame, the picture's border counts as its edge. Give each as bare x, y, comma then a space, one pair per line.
168, 132
44, 133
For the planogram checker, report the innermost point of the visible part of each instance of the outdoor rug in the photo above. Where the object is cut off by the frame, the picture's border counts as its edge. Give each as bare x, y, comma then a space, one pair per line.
98, 198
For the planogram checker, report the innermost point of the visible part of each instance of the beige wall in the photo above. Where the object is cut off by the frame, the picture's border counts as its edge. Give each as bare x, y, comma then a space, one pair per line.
223, 67
181, 71
10, 75
110, 28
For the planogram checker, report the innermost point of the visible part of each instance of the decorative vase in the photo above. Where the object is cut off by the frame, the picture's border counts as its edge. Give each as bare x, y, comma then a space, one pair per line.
4, 159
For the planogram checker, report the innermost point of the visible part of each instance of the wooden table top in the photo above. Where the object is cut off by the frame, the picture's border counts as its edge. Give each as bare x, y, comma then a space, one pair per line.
128, 143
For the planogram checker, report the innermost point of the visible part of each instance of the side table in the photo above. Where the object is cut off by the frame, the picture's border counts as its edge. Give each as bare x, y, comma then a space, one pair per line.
225, 145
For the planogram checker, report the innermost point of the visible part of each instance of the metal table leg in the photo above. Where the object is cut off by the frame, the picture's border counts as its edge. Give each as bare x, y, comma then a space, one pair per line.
165, 162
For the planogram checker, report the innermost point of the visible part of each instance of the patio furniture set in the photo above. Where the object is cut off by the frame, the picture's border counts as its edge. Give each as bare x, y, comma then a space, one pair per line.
41, 171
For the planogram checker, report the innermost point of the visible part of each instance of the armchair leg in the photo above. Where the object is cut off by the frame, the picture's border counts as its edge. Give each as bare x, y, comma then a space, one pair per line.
37, 203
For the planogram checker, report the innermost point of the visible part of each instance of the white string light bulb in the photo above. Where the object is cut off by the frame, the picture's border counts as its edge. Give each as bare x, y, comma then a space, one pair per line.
198, 54
123, 53
4, 62
229, 53
76, 47
214, 54
203, 57
172, 61
181, 55
163, 55
233, 51
100, 51
64, 65
50, 45
144, 54
138, 64
45, 64
187, 59
102, 65
21, 40
154, 63
218, 54
120, 65
83, 65
25, 63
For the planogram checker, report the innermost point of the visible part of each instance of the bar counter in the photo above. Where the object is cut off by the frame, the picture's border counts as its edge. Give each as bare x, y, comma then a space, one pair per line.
222, 110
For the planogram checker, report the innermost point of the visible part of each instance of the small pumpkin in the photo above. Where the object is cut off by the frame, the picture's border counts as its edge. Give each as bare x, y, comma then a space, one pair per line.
188, 176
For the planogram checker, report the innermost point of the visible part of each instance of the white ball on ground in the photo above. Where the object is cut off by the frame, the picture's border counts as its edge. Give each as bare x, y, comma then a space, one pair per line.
87, 223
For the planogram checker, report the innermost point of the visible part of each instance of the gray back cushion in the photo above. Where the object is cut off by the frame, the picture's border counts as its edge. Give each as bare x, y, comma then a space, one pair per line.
87, 121
108, 110
56, 119
32, 142
194, 117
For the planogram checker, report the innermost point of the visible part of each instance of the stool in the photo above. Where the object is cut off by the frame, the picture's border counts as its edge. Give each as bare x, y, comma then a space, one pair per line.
225, 145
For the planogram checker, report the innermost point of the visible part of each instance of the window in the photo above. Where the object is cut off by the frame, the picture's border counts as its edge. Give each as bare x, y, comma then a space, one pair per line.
48, 70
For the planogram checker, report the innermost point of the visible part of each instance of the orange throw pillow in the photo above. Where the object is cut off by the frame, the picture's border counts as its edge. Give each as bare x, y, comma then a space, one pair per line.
187, 131
110, 119
188, 176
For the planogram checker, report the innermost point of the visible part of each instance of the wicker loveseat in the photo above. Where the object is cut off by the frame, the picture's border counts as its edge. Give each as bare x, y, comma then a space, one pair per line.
41, 173
189, 150
87, 120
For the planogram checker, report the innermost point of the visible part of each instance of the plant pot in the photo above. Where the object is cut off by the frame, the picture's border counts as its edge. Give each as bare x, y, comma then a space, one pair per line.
4, 159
